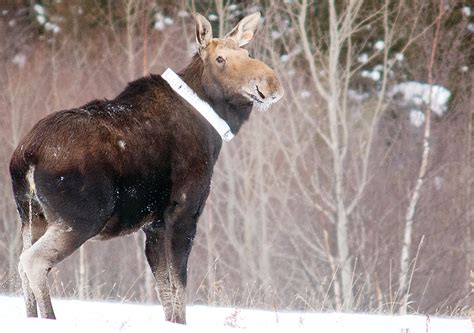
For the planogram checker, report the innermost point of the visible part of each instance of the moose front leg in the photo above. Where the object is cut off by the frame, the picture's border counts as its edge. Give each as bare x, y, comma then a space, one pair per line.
167, 250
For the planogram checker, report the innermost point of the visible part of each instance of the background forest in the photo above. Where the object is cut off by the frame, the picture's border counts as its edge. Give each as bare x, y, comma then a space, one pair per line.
353, 193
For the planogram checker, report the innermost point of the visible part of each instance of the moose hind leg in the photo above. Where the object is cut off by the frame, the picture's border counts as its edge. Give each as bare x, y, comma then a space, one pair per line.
57, 243
30, 231
30, 300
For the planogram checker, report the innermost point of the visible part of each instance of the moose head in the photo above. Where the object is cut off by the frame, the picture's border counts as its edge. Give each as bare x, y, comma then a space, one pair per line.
228, 68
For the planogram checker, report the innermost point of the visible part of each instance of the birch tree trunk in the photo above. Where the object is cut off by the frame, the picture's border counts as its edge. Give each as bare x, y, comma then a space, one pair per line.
403, 279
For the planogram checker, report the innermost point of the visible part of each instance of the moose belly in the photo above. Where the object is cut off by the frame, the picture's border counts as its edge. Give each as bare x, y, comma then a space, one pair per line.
116, 227
136, 208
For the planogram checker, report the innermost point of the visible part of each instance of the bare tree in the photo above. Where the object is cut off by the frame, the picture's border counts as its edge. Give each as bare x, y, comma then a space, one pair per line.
404, 278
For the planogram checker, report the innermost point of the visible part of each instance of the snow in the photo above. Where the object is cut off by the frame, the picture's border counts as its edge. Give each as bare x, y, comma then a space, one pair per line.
183, 13
213, 17
379, 68
162, 21
373, 75
284, 57
466, 11
51, 27
159, 25
363, 58
418, 93
357, 96
41, 19
39, 9
399, 56
19, 59
305, 94
78, 316
417, 118
168, 20
379, 45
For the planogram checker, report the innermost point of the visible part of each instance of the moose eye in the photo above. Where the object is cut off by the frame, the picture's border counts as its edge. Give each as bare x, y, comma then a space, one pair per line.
220, 60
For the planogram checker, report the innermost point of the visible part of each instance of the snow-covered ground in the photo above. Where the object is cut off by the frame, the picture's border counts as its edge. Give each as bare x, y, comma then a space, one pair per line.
77, 316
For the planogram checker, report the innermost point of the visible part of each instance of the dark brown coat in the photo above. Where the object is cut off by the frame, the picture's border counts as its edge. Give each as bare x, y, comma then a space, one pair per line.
143, 160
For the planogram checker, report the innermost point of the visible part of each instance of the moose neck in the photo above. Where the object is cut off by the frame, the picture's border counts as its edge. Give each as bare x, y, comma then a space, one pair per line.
235, 110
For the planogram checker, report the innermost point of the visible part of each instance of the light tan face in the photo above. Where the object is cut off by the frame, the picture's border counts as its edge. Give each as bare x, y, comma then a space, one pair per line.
229, 70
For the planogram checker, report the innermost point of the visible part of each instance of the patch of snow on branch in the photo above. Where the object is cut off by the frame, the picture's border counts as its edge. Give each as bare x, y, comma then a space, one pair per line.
373, 75
305, 94
39, 9
159, 25
418, 93
213, 17
417, 118
466, 11
41, 19
363, 58
51, 27
183, 13
399, 56
379, 45
162, 21
357, 96
19, 59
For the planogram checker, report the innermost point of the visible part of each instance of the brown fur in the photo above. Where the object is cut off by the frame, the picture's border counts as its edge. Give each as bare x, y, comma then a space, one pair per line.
143, 160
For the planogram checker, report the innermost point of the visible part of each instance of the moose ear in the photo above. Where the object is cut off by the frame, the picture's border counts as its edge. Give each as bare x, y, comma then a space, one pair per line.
203, 31
245, 29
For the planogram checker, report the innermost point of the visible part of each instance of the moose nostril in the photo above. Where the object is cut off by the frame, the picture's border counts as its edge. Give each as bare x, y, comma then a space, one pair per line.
260, 93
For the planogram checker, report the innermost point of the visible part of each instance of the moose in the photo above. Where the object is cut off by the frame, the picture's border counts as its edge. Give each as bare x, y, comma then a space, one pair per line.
143, 160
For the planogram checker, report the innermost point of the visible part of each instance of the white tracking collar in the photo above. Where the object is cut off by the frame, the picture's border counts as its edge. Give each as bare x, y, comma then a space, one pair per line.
201, 106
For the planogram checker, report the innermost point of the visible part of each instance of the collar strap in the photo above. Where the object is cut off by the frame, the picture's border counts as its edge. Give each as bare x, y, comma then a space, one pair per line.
180, 87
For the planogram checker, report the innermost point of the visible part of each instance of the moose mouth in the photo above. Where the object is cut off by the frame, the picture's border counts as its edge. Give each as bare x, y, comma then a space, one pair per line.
259, 104
258, 98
